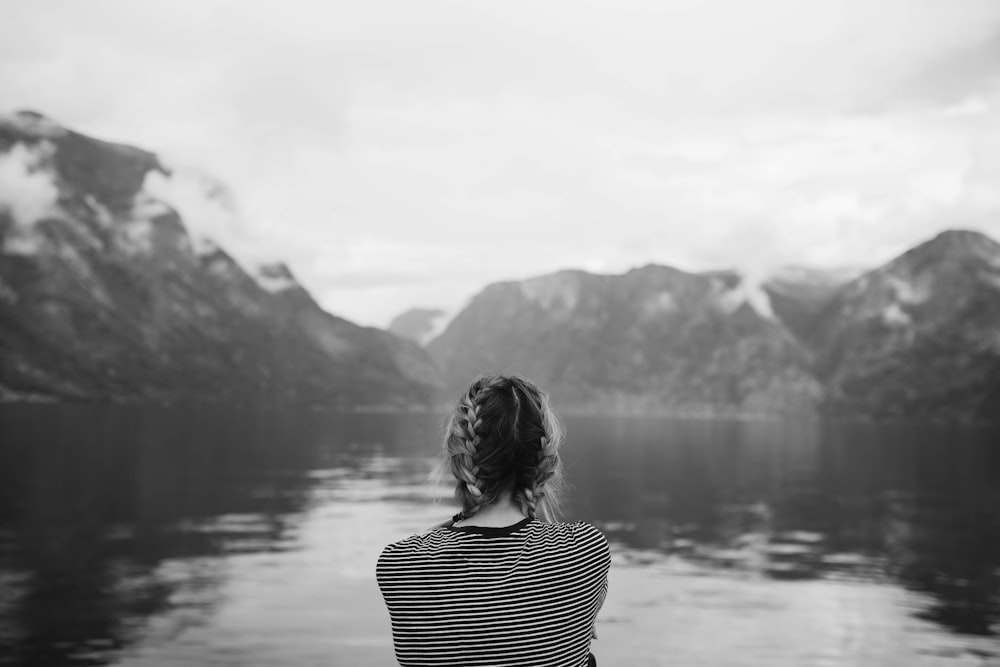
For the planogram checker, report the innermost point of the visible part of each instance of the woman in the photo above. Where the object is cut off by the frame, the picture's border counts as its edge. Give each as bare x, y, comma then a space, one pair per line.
501, 583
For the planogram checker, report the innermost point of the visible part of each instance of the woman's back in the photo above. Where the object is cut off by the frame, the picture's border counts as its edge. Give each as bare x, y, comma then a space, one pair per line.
527, 594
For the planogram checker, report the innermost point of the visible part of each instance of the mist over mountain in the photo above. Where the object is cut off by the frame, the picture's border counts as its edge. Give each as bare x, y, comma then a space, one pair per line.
798, 294
919, 335
108, 293
121, 279
419, 324
652, 339
916, 338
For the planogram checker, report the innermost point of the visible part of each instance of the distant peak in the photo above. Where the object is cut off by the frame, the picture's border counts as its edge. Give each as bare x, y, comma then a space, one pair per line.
962, 237
960, 242
420, 324
32, 124
420, 312
954, 245
652, 268
31, 114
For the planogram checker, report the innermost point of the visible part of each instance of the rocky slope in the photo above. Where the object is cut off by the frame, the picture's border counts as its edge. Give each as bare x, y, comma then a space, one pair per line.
653, 339
106, 294
918, 337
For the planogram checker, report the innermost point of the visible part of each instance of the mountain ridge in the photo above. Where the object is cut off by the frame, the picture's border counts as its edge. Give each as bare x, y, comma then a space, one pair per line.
654, 338
107, 295
804, 344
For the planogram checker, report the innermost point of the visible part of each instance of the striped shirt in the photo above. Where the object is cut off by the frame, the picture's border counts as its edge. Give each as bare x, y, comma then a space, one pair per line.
526, 594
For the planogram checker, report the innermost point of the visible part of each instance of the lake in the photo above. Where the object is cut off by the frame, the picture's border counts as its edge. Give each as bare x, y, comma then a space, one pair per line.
180, 536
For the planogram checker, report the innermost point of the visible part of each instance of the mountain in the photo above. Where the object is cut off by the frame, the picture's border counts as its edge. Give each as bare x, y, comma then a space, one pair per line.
653, 339
114, 286
107, 294
916, 338
418, 324
919, 335
798, 294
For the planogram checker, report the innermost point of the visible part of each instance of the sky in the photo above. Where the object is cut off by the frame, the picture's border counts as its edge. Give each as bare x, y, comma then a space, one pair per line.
398, 153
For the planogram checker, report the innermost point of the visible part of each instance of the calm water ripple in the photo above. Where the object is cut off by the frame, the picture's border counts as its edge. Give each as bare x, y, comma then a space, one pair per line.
192, 537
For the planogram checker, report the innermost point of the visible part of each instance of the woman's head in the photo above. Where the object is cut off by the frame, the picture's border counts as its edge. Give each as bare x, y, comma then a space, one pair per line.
503, 438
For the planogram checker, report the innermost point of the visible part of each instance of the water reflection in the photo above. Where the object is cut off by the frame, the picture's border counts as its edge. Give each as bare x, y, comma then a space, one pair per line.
808, 501
112, 516
147, 537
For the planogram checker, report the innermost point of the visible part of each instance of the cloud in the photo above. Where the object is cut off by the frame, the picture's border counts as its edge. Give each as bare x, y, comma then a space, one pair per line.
400, 154
956, 75
210, 213
27, 190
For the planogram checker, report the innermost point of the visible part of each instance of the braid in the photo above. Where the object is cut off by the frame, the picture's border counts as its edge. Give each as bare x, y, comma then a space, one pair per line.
533, 494
541, 462
464, 428
502, 438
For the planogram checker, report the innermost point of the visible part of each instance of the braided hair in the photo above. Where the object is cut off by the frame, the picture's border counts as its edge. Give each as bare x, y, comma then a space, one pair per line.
503, 438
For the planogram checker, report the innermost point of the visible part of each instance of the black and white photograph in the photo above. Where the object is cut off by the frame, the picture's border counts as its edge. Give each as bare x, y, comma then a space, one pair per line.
500, 333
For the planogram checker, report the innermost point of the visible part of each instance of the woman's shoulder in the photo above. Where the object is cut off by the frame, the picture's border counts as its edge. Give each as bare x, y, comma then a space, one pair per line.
409, 551
584, 541
581, 533
586, 529
576, 528
416, 541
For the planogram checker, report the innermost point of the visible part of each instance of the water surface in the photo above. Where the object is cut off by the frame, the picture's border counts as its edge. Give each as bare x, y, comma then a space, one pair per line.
174, 536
